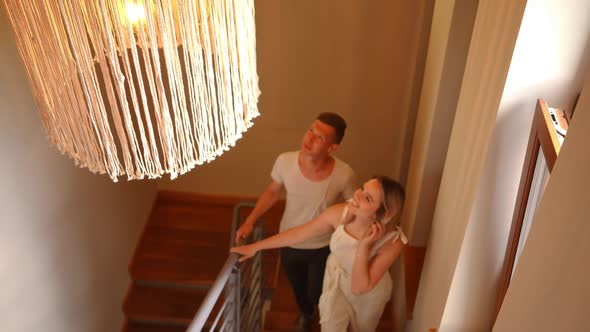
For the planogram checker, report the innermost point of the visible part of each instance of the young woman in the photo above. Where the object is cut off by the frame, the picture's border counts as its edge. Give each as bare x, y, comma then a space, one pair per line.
363, 247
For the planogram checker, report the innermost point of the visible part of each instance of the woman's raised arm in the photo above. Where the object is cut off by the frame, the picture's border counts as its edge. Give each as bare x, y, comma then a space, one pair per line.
367, 271
325, 223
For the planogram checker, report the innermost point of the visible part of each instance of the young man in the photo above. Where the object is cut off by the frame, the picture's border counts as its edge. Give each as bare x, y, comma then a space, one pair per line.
313, 180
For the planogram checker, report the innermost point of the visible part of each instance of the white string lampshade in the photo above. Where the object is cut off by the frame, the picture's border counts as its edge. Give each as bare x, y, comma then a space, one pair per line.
142, 87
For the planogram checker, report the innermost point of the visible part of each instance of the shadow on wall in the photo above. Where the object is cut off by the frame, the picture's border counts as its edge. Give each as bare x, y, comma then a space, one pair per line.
66, 235
477, 276
480, 261
67, 239
93, 248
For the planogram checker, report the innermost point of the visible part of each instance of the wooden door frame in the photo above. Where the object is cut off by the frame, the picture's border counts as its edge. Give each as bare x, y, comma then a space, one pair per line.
544, 137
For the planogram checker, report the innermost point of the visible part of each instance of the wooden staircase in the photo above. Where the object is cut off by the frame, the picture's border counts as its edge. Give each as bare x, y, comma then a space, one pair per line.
182, 249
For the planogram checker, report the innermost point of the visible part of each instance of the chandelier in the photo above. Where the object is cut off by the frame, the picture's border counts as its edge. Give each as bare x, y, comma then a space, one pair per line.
142, 87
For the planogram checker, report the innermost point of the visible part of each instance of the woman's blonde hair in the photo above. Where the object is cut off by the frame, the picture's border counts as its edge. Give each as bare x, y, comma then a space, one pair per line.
394, 197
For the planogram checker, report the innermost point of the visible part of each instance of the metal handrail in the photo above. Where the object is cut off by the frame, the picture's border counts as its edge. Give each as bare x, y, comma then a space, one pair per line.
231, 275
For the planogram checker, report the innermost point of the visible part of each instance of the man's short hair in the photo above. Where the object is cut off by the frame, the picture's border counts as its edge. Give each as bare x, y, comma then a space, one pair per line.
335, 121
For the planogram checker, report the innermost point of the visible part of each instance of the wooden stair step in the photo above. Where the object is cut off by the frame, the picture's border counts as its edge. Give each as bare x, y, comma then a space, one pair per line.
201, 267
279, 321
199, 199
196, 267
168, 243
194, 237
283, 299
164, 305
212, 218
194, 211
152, 327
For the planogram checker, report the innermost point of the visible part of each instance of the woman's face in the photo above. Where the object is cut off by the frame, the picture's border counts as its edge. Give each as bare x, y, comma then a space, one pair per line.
367, 199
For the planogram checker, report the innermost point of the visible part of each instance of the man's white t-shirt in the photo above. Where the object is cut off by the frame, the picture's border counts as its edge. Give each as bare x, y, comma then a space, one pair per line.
306, 199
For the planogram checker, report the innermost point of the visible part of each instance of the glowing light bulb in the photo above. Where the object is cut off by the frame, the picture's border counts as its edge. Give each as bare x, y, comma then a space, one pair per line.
135, 13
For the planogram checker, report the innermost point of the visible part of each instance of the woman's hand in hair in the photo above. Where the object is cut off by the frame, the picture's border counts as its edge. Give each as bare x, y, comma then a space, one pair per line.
372, 235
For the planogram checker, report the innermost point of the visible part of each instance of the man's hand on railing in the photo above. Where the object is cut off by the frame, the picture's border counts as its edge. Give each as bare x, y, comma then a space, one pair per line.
247, 251
244, 231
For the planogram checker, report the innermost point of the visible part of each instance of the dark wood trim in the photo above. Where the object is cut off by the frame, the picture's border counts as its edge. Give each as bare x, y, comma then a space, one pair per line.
414, 261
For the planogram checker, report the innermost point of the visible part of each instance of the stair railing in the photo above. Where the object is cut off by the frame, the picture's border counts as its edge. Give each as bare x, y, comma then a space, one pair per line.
234, 301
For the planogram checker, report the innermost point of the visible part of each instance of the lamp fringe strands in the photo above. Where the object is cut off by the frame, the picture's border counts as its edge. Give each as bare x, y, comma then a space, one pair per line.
142, 87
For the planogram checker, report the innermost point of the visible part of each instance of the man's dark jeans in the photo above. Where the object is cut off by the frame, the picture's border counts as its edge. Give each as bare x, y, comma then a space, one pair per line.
305, 270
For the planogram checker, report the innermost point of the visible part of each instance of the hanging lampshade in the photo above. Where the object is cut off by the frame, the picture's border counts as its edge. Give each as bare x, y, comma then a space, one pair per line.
141, 87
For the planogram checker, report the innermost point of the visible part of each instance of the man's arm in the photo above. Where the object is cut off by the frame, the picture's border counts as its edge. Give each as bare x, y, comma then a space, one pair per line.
269, 197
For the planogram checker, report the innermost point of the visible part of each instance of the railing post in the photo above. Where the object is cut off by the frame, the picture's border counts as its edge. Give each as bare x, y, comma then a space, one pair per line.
232, 314
257, 277
237, 288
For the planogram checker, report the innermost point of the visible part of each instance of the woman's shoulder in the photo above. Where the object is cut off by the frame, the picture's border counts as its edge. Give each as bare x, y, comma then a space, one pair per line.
394, 238
337, 208
397, 235
336, 213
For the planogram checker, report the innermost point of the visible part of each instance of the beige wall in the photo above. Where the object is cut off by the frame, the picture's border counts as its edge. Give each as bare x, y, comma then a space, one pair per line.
492, 44
66, 235
550, 289
450, 37
549, 61
358, 58
447, 54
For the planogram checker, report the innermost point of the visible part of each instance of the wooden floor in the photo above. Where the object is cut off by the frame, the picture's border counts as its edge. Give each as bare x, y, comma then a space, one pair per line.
182, 248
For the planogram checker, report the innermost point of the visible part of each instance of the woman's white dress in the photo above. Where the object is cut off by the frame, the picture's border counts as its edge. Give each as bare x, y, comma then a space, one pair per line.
339, 308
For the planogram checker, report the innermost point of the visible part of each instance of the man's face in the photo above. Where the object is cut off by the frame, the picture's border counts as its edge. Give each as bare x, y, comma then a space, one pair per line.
319, 139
